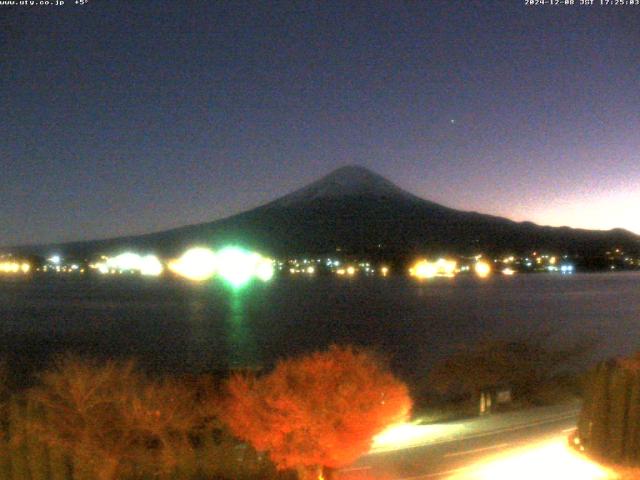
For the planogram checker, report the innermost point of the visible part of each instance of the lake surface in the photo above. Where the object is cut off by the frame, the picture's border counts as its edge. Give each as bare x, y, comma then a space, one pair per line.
170, 325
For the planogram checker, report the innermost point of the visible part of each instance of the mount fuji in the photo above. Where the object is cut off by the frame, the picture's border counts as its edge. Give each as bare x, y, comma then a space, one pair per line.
356, 211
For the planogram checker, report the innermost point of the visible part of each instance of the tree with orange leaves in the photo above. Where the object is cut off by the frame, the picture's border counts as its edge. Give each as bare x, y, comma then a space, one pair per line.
320, 410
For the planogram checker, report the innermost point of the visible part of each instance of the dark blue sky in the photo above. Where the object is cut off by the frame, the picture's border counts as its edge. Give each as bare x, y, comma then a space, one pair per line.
124, 117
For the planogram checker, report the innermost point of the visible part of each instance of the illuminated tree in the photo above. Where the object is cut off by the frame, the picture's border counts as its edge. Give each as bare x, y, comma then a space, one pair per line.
320, 410
112, 420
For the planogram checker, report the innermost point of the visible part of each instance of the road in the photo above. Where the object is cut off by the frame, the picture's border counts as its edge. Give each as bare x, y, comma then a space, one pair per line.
530, 441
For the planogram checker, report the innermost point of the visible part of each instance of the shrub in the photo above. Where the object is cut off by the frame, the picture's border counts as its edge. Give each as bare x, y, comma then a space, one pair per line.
112, 420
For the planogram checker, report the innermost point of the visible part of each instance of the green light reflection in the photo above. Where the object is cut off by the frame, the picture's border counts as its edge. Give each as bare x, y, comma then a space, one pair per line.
202, 334
241, 344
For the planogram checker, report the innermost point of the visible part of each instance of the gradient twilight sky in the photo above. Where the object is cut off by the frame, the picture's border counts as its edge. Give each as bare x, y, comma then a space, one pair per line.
125, 117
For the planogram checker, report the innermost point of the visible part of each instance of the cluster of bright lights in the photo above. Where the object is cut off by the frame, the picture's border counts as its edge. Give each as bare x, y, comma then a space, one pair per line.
425, 269
349, 271
196, 264
310, 270
314, 266
538, 262
14, 267
440, 268
234, 265
238, 266
129, 262
306, 266
366, 268
56, 264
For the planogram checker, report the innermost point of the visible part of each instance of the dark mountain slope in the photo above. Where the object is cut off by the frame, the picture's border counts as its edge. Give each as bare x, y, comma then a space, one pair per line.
358, 211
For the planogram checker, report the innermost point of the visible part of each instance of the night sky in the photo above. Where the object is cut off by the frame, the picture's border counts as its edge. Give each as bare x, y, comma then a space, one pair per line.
130, 117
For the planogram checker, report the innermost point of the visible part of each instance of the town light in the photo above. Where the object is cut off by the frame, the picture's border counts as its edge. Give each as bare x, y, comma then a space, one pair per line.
14, 267
566, 269
424, 269
441, 268
482, 269
197, 264
127, 261
265, 270
150, 266
237, 266
446, 268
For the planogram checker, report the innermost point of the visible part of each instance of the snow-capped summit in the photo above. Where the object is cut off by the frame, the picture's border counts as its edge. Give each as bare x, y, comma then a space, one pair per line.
350, 180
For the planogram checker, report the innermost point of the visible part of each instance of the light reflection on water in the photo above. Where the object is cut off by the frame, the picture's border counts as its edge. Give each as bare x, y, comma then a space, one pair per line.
242, 349
170, 325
